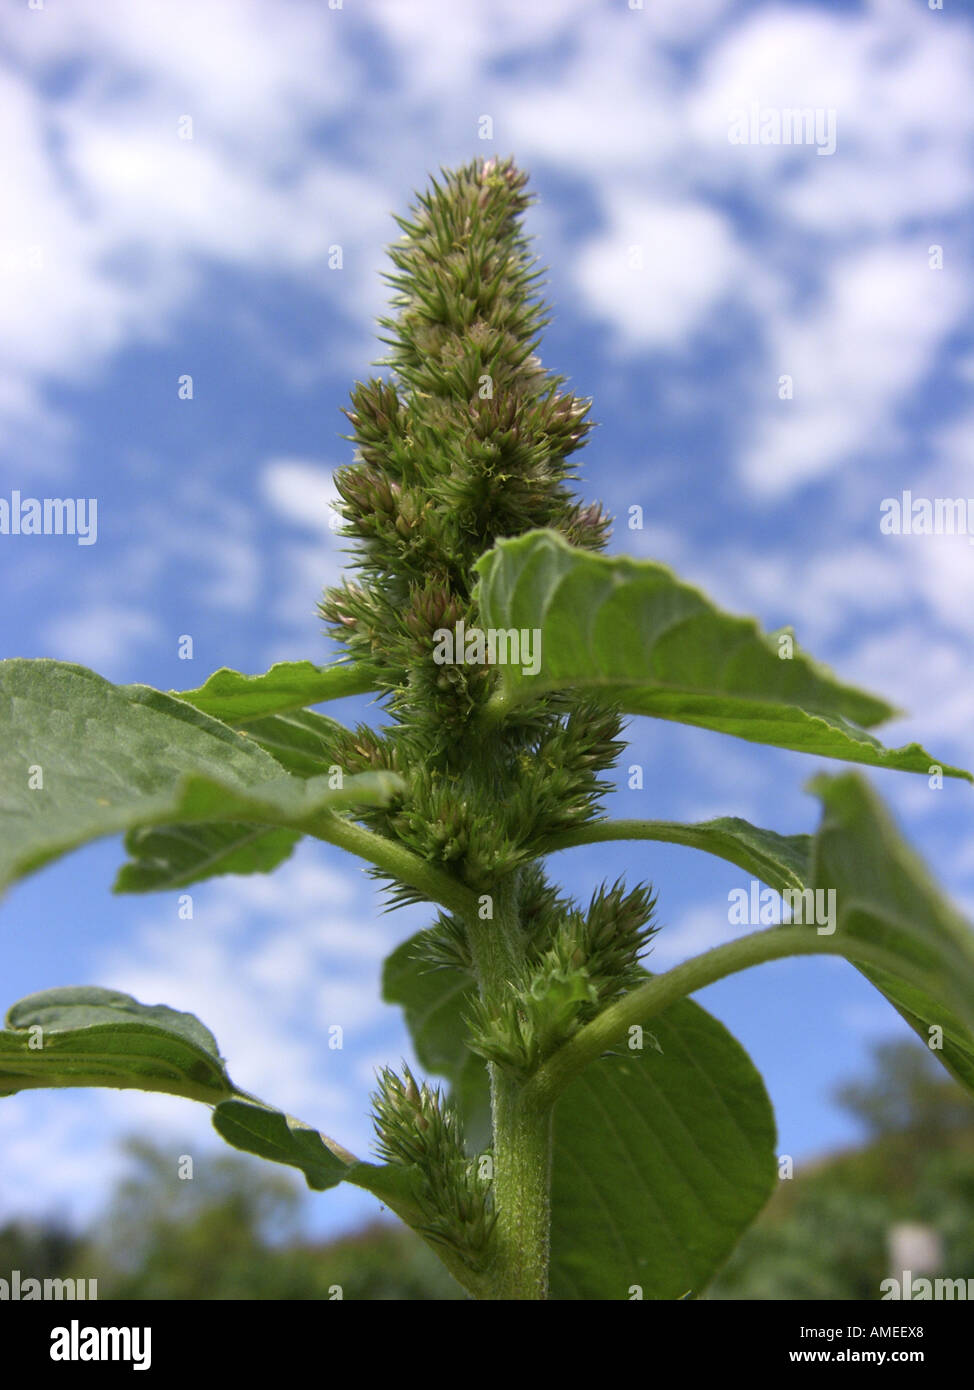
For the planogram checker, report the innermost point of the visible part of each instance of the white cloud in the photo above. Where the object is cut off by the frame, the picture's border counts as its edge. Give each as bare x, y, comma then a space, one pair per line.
855, 357
443, 47
862, 335
205, 536
103, 636
301, 491
310, 887
132, 214
658, 271
875, 194
115, 218
925, 675
245, 66
891, 74
50, 1152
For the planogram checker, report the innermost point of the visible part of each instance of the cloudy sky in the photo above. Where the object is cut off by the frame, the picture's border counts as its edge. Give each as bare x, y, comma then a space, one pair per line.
776, 337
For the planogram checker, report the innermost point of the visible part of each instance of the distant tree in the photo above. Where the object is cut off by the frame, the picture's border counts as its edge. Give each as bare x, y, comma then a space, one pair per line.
907, 1093
825, 1233
38, 1250
232, 1231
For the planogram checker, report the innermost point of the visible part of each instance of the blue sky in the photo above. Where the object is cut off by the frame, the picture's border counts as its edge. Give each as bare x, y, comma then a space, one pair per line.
131, 257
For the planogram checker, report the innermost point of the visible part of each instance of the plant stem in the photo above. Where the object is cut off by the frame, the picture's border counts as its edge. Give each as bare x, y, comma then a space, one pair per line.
769, 868
522, 1191
434, 884
521, 1130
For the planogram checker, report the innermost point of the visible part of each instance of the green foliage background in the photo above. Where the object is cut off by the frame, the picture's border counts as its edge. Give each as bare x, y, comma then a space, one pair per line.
234, 1232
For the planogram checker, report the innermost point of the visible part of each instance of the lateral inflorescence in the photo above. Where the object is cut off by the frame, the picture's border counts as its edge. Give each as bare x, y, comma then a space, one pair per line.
417, 1128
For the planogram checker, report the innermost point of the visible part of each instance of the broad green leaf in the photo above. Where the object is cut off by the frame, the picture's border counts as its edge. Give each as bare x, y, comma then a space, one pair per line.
226, 830
662, 1158
81, 759
163, 858
170, 857
885, 896
268, 1133
84, 1036
434, 1002
281, 800
781, 861
289, 685
300, 740
630, 630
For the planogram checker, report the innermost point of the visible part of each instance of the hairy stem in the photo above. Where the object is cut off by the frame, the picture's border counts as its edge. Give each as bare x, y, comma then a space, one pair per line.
434, 884
521, 1131
780, 876
522, 1191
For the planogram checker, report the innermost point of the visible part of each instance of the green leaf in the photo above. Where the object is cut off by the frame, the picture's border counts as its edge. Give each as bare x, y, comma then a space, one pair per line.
662, 1158
434, 1002
268, 1133
164, 858
258, 1129
84, 1036
81, 759
170, 857
781, 861
288, 685
179, 854
884, 895
632, 631
300, 740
